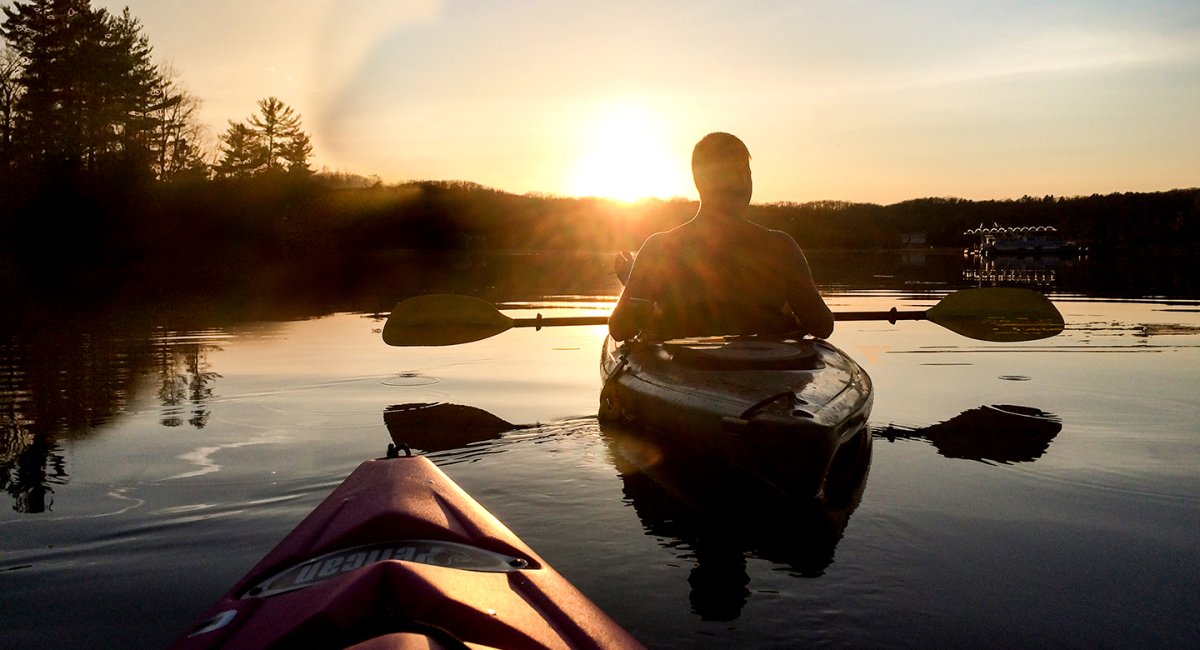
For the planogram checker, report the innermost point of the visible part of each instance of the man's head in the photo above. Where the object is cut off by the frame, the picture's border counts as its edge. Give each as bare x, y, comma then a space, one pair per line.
721, 169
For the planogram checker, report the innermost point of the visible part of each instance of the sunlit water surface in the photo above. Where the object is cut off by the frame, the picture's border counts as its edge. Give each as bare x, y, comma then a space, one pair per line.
214, 455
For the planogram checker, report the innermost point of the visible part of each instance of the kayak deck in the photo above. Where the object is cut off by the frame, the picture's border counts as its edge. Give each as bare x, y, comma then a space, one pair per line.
400, 556
778, 409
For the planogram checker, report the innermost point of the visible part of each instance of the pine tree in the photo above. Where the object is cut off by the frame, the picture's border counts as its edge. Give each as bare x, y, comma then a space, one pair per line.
279, 129
242, 153
271, 142
86, 85
135, 93
10, 92
297, 153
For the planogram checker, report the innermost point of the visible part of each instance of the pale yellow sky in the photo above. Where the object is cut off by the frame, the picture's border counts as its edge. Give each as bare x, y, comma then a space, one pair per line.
876, 101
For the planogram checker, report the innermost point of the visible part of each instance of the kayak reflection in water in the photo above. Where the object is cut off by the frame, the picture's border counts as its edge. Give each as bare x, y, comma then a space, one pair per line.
719, 518
719, 273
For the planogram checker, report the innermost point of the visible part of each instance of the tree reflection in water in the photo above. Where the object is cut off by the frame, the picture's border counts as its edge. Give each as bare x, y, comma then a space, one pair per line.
70, 363
29, 465
185, 378
63, 382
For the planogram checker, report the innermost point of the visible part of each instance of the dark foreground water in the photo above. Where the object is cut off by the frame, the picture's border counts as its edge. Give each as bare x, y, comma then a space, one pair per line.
148, 463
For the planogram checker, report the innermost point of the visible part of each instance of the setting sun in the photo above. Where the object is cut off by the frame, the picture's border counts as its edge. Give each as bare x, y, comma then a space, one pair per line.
624, 155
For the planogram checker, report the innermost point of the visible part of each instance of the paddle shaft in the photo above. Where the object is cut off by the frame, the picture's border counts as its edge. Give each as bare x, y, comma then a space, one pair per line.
891, 316
540, 321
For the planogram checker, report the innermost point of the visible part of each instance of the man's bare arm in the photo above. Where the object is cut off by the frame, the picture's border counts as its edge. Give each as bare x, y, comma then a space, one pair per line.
805, 301
636, 305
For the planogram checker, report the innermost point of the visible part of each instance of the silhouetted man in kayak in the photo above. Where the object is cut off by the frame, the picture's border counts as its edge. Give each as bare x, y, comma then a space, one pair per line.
720, 273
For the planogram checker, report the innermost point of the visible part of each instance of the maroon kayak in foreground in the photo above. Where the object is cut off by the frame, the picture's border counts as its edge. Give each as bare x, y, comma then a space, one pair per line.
399, 556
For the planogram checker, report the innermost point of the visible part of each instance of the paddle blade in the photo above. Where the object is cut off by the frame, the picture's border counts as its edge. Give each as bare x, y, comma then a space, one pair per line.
442, 319
999, 314
441, 426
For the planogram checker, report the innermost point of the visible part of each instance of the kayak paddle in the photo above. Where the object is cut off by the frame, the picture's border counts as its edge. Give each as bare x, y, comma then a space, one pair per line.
449, 319
999, 314
996, 314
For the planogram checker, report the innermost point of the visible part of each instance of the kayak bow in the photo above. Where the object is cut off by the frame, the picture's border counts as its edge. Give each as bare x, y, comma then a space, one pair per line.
399, 556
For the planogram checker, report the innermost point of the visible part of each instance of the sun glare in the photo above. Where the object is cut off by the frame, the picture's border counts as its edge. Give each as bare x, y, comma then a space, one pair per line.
625, 156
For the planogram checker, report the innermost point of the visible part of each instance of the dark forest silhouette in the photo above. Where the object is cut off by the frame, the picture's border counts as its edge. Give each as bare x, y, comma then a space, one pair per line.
237, 226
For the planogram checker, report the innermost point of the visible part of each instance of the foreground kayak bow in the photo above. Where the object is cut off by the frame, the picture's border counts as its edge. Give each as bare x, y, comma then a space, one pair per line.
399, 556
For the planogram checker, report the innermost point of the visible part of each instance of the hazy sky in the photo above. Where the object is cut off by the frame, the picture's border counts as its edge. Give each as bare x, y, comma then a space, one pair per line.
854, 100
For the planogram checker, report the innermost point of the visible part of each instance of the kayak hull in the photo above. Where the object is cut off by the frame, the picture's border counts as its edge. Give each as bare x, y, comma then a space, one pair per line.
400, 556
779, 410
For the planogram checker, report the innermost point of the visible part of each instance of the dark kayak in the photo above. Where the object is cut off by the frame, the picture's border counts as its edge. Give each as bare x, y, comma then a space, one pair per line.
777, 409
399, 556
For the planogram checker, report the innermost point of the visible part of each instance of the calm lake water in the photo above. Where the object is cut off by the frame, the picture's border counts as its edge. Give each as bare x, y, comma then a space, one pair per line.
151, 458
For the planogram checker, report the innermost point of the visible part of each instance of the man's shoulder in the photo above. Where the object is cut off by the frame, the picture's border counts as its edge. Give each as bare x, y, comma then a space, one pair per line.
680, 235
779, 236
761, 235
657, 241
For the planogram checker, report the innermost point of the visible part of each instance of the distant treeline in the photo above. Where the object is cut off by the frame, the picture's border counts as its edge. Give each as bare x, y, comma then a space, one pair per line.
1156, 220
91, 220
